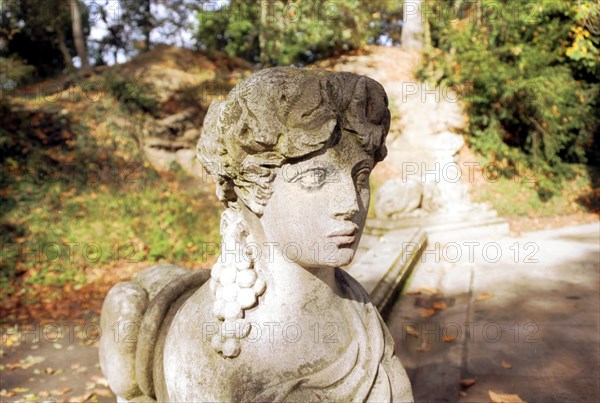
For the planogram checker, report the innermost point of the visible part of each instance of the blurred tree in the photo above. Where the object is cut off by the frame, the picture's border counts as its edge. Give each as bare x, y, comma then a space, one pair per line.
79, 37
285, 32
40, 36
137, 14
128, 28
174, 19
130, 24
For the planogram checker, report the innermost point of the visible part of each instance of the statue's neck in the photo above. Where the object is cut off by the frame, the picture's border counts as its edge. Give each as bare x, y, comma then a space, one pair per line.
288, 282
291, 283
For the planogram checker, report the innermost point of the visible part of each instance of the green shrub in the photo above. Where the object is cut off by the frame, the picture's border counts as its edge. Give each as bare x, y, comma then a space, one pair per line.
14, 72
529, 75
133, 96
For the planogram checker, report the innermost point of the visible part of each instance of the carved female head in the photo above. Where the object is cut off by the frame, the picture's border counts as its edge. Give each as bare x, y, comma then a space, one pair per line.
296, 130
295, 147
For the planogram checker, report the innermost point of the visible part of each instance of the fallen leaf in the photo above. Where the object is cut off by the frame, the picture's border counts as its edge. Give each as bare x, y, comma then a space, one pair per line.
100, 380
462, 393
411, 330
61, 391
426, 312
12, 340
6, 393
448, 339
424, 347
506, 364
504, 398
439, 305
102, 392
467, 382
428, 290
483, 296
29, 361
83, 398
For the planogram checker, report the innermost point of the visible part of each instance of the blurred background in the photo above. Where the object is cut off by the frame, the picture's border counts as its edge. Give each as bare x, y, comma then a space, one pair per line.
102, 103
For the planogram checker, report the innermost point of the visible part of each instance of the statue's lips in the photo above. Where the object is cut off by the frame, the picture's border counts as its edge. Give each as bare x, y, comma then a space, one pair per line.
344, 236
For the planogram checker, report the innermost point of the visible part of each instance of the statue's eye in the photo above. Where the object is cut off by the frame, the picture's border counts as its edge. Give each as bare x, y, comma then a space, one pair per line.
362, 179
312, 178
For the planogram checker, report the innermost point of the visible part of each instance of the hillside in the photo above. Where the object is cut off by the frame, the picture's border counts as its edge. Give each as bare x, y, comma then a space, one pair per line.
108, 162
93, 185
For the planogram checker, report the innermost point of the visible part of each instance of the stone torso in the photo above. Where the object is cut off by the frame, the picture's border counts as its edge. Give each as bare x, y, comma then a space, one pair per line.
319, 334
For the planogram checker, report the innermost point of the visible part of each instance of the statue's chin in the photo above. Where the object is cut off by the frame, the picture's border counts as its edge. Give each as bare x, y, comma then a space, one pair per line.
346, 255
342, 257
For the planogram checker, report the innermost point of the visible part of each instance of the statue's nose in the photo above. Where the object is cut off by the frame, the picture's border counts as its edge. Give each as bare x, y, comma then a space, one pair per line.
345, 199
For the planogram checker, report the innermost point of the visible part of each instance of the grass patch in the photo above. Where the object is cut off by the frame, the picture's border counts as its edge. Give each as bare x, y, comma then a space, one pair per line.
78, 195
519, 196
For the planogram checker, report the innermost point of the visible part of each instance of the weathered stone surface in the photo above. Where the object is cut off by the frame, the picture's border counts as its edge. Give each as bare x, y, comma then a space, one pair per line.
397, 197
122, 312
155, 278
178, 121
291, 151
432, 200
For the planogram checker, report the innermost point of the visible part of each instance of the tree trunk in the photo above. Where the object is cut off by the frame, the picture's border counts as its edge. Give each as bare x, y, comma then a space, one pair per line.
262, 33
147, 25
62, 46
79, 38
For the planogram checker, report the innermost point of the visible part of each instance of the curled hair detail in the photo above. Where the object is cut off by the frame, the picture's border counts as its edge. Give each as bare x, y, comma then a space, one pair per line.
282, 114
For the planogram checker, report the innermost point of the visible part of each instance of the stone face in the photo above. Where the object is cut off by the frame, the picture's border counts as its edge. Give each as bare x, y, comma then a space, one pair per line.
291, 151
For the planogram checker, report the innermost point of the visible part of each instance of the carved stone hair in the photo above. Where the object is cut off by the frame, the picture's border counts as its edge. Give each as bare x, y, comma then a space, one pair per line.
282, 114
275, 116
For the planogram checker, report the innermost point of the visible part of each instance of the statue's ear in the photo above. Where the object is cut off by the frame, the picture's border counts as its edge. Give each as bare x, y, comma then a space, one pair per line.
250, 198
251, 216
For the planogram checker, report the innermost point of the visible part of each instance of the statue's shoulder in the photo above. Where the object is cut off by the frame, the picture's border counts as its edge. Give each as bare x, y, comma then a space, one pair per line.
189, 358
132, 316
351, 287
194, 316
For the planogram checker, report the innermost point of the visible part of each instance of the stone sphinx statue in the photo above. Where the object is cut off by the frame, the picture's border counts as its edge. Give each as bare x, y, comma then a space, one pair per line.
276, 319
